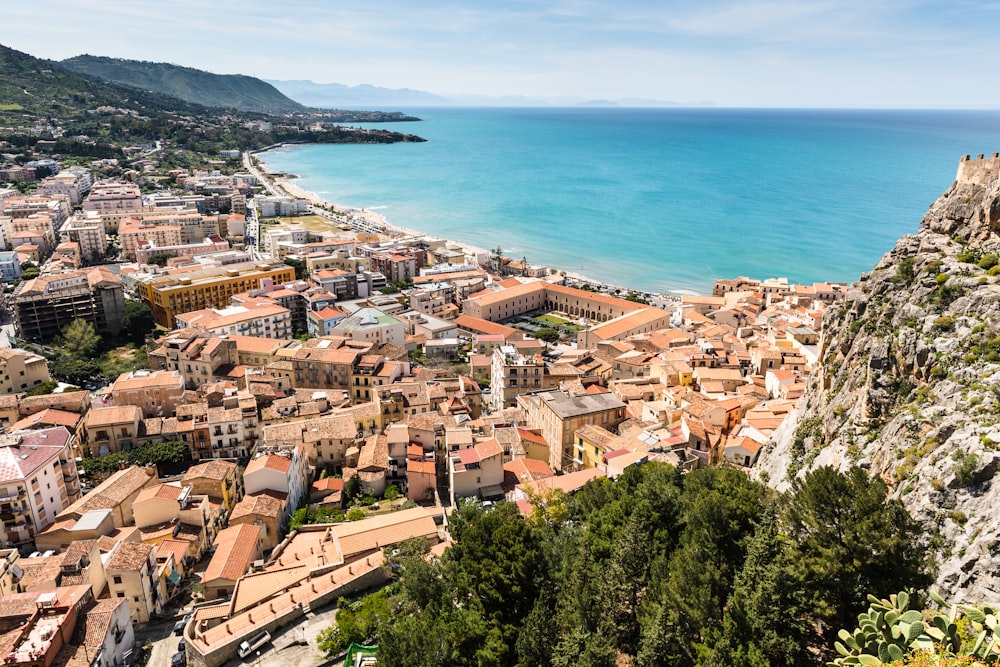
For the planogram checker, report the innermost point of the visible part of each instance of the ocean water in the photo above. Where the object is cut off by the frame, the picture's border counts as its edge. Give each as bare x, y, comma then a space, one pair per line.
660, 199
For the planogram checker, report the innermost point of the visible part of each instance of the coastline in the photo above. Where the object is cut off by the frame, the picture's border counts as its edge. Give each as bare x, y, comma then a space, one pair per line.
366, 220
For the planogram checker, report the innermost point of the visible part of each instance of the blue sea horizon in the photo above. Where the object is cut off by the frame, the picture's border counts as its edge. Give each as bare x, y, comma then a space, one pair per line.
659, 199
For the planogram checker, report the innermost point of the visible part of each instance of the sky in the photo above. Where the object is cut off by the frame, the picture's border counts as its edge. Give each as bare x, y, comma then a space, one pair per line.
736, 53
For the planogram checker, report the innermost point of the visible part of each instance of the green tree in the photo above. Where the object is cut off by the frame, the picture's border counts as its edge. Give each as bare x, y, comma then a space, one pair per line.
301, 272
46, 387
353, 488
137, 321
547, 334
391, 492
79, 339
848, 540
159, 258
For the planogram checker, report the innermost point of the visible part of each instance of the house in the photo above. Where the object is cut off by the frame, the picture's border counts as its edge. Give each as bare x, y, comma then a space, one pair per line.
21, 371
116, 494
111, 430
133, 575
266, 509
236, 549
156, 393
477, 471
217, 479
283, 471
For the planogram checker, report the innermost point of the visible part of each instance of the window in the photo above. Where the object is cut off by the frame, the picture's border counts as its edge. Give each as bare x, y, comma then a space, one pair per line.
120, 594
117, 579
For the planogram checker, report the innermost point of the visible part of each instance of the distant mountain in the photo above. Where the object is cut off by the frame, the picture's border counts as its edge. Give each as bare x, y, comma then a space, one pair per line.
336, 95
231, 91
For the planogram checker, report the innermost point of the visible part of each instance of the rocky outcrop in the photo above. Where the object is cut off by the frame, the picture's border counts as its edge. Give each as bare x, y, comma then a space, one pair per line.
909, 383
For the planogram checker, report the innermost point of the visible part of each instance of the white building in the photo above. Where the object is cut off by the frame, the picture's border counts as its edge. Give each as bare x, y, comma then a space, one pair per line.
38, 480
373, 325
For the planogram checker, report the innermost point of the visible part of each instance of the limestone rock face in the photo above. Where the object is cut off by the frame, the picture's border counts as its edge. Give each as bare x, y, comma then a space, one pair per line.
909, 384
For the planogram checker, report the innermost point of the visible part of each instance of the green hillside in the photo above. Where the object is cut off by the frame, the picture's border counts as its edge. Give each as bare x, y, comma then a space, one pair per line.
35, 87
232, 91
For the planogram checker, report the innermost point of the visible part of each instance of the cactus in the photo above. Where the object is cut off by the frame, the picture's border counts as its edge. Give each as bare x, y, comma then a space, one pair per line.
889, 631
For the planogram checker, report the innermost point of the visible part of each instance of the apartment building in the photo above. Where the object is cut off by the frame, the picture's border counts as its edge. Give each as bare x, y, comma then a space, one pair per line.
513, 374
261, 318
43, 306
155, 393
21, 371
115, 495
170, 294
558, 414
67, 184
281, 469
87, 229
39, 228
38, 480
208, 245
134, 233
111, 430
371, 325
10, 265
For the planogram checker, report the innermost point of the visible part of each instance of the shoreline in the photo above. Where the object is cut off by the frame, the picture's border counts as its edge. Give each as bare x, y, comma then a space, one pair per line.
278, 181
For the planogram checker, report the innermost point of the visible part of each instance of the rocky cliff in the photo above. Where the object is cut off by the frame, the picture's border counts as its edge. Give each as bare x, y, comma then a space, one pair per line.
909, 383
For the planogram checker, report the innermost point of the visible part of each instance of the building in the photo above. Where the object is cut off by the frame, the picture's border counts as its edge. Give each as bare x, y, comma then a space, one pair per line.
156, 393
219, 480
43, 306
38, 480
170, 294
10, 266
558, 414
21, 371
236, 549
144, 251
513, 374
133, 234
88, 231
477, 471
258, 318
115, 495
133, 575
373, 325
111, 430
284, 471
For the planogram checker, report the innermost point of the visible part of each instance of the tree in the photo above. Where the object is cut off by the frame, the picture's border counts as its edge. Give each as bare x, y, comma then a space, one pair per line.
353, 488
137, 321
46, 387
30, 272
159, 258
79, 339
301, 272
391, 492
848, 540
547, 334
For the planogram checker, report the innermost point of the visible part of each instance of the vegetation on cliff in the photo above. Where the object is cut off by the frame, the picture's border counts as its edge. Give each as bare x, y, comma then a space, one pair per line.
232, 91
908, 384
657, 568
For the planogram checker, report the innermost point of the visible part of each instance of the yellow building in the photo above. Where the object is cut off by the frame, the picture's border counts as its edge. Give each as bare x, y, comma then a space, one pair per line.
169, 294
21, 371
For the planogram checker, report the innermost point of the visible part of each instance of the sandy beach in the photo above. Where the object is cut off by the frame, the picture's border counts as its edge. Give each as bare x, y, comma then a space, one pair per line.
372, 221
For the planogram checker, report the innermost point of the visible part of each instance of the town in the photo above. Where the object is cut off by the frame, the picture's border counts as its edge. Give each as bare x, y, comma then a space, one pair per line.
329, 387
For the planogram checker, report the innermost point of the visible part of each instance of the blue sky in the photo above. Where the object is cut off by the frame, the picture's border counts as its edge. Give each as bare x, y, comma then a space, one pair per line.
784, 53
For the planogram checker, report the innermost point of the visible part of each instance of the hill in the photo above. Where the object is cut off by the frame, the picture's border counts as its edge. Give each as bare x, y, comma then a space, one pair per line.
232, 91
36, 87
909, 383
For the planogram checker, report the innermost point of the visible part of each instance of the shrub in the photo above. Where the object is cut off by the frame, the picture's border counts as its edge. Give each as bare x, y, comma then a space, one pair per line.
944, 323
989, 260
966, 468
356, 514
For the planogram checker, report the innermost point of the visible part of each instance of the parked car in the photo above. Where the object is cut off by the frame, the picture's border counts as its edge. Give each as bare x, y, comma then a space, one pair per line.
178, 660
179, 625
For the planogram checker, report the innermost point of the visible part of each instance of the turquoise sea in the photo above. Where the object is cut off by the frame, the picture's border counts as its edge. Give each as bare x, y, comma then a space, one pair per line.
660, 199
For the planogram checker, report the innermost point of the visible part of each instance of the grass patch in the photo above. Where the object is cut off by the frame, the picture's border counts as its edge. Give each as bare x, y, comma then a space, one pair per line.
11, 107
549, 318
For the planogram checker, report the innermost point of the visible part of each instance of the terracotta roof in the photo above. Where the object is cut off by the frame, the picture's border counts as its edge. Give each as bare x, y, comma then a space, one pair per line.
161, 491
266, 504
47, 417
269, 462
214, 469
113, 415
130, 556
235, 549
